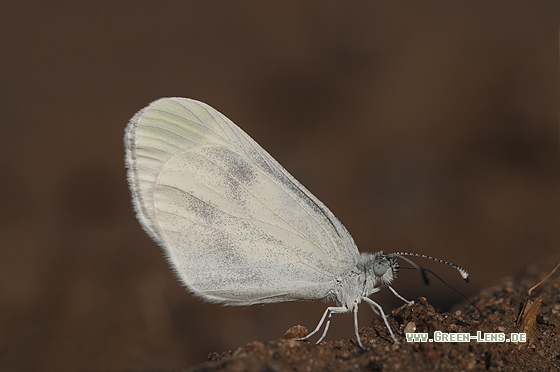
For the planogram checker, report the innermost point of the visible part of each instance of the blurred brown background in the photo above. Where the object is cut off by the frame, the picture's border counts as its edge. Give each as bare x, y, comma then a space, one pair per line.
429, 127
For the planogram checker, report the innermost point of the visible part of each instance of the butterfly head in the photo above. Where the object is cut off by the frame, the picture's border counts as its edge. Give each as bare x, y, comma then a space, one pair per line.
381, 269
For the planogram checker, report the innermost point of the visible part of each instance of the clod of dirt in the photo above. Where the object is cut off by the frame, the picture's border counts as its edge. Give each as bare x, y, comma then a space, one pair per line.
297, 331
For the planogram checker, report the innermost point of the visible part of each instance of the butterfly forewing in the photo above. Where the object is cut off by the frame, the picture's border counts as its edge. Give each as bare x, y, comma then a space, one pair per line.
236, 226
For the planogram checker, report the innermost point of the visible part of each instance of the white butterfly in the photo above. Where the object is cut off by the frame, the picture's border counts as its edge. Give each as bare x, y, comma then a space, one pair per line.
236, 227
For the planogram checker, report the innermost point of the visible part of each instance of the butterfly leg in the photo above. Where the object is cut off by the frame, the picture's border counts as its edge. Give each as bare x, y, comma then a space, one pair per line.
374, 305
398, 295
356, 327
333, 310
326, 315
375, 290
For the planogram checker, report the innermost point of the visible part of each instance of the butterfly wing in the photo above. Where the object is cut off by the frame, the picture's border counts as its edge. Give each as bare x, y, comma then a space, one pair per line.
235, 225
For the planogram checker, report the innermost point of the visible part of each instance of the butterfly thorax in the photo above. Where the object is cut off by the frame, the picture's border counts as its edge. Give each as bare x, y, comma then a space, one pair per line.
373, 270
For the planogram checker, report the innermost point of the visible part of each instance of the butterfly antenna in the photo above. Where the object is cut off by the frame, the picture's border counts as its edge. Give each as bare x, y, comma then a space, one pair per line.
462, 271
423, 272
456, 291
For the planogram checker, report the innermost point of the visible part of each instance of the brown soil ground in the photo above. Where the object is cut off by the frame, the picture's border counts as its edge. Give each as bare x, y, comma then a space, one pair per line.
500, 305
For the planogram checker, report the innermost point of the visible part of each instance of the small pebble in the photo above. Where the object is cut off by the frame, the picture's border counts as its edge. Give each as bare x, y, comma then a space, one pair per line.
410, 328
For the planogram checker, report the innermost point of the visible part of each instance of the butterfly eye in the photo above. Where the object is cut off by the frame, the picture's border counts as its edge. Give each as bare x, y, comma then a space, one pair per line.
380, 266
